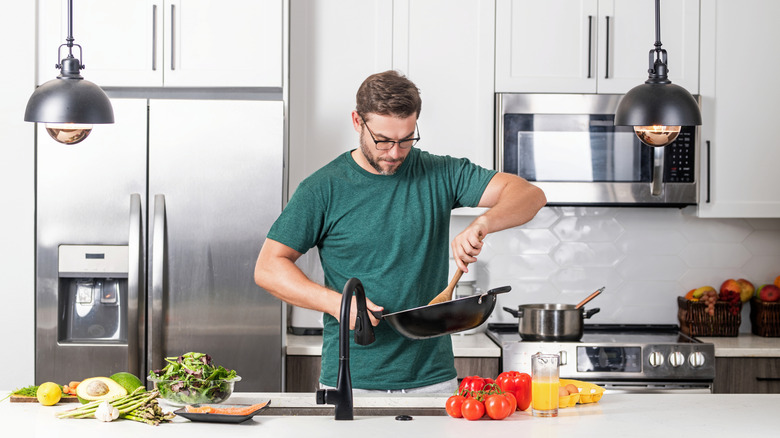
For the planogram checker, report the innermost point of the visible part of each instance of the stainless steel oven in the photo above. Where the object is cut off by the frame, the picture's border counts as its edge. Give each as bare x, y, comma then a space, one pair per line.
569, 146
620, 357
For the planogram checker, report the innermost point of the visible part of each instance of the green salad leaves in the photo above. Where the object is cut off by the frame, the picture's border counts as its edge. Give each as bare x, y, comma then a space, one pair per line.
191, 378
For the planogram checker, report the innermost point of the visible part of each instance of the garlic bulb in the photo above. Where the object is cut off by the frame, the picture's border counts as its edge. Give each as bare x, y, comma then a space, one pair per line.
106, 412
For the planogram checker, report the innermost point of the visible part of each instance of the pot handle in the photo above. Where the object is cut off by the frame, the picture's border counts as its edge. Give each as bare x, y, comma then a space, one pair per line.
591, 312
513, 312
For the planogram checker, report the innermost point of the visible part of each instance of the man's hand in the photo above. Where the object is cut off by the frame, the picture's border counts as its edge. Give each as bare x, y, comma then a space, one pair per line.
353, 312
511, 201
467, 245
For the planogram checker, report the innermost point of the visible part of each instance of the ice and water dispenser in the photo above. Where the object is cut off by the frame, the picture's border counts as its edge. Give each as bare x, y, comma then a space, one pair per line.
92, 294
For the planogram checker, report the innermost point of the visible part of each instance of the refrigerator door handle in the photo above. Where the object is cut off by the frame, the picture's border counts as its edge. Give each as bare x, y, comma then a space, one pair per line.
155, 357
135, 288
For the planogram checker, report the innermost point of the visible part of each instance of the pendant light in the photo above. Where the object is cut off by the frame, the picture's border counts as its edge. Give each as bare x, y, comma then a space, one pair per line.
657, 109
69, 105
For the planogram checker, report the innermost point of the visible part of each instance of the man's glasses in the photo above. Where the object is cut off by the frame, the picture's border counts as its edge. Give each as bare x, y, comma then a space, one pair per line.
386, 145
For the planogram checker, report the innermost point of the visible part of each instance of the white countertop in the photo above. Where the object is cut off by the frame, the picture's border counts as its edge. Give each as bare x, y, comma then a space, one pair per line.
744, 345
473, 345
619, 415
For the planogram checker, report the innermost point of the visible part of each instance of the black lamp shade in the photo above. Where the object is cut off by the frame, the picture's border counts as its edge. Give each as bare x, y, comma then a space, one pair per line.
658, 104
69, 100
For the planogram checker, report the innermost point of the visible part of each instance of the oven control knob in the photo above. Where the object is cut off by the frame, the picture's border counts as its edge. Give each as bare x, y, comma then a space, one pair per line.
656, 359
676, 359
696, 359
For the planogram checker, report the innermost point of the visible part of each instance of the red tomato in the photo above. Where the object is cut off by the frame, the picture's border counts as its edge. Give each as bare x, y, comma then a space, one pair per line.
497, 406
453, 406
472, 383
512, 401
472, 409
519, 384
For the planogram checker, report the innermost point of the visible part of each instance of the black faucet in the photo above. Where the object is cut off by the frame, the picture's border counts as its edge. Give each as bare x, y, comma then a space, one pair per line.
341, 397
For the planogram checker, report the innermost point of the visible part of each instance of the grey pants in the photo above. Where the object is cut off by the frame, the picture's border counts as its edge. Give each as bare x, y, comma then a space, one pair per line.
449, 387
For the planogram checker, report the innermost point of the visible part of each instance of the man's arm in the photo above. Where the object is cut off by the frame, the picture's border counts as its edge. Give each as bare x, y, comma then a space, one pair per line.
276, 272
511, 200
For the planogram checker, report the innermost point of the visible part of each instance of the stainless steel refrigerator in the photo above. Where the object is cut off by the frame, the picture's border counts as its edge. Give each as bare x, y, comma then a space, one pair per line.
147, 234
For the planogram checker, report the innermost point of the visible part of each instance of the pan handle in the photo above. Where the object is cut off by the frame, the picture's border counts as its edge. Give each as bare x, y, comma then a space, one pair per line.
499, 290
513, 312
591, 312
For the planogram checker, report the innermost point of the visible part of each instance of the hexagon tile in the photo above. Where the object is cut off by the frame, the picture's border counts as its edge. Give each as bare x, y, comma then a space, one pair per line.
645, 257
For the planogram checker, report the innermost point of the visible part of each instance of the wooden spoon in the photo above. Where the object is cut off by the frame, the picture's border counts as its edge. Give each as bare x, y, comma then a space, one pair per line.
446, 294
590, 297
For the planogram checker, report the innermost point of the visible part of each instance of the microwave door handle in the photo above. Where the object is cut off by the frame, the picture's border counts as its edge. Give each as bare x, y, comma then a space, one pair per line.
135, 288
155, 338
656, 186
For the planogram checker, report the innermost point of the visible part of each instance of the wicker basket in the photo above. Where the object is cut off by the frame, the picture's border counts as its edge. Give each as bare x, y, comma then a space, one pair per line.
764, 318
695, 321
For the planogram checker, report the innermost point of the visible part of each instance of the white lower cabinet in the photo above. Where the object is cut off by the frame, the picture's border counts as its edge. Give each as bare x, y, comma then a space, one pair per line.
739, 88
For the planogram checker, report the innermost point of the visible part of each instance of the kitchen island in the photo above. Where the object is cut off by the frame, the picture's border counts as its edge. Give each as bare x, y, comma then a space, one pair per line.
619, 415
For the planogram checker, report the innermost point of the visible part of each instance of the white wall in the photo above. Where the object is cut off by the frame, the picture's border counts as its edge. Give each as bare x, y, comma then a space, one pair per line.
17, 194
646, 258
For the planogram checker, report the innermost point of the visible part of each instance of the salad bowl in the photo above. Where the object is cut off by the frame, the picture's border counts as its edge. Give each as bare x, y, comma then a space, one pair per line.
192, 379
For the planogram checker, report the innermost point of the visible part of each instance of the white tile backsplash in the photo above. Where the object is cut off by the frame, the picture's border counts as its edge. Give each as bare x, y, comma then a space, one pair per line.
645, 257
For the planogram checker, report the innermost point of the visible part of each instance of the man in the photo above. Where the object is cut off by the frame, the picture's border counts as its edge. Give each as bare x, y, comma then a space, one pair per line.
381, 213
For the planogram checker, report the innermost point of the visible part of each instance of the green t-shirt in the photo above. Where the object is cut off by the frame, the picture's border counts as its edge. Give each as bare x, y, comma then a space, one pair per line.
392, 233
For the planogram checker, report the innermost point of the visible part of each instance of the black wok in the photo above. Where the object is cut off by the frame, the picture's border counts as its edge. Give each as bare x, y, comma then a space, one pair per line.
443, 318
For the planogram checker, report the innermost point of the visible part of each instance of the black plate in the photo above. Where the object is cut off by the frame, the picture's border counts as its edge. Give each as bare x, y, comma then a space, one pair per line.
218, 418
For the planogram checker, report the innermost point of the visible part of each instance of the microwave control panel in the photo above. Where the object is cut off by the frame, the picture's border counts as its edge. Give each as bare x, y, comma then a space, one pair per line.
679, 157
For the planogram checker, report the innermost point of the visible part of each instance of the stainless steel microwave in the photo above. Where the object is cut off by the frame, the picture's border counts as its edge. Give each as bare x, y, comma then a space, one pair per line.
568, 145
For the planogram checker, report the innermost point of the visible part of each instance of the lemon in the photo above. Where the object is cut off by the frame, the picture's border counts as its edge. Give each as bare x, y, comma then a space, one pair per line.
49, 393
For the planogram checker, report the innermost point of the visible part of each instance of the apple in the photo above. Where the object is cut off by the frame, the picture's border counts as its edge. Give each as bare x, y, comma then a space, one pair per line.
769, 293
729, 286
747, 290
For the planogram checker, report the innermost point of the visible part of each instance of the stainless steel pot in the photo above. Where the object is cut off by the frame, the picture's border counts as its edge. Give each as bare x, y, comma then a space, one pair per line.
550, 322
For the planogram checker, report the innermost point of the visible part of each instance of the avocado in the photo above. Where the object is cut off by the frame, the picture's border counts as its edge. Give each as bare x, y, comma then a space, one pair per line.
128, 381
99, 388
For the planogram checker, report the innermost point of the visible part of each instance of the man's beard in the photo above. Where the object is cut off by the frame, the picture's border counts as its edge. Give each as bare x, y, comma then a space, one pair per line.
365, 149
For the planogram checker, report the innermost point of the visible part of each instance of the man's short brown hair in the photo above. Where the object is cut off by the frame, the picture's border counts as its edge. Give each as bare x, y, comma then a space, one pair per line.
389, 94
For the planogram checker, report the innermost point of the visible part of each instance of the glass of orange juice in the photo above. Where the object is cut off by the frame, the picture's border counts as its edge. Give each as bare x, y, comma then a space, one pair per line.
544, 384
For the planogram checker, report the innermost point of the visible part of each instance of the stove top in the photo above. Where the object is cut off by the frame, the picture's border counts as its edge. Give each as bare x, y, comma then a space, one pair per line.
635, 352
608, 333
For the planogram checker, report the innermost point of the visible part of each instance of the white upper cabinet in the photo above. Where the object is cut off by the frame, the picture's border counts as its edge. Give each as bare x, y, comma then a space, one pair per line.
739, 89
592, 46
444, 46
447, 48
173, 43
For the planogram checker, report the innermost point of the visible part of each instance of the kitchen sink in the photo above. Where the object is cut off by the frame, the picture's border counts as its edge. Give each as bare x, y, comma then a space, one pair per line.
303, 404
373, 411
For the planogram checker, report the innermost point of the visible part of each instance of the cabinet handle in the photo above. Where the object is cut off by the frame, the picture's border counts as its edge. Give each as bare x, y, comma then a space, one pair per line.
173, 37
606, 64
590, 44
154, 37
708, 172
768, 379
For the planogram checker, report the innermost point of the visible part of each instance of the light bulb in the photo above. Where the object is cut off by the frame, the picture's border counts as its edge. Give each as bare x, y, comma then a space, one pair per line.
68, 133
657, 135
